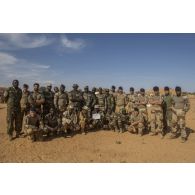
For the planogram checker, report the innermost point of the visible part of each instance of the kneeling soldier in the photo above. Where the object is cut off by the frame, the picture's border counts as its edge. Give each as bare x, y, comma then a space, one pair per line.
51, 123
32, 124
137, 122
83, 119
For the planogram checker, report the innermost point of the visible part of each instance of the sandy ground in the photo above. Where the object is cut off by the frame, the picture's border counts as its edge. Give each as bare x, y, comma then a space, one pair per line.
101, 146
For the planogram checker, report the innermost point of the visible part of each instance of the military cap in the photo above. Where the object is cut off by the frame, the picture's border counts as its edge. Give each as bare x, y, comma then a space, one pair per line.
86, 87
156, 88
75, 86
25, 86
106, 90
49, 85
120, 88
132, 89
36, 84
113, 87
142, 90
15, 81
177, 88
100, 88
166, 88
62, 86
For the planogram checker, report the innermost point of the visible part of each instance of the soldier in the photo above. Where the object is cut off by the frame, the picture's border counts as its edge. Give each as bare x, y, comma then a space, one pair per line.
156, 122
56, 89
137, 122
101, 101
51, 123
168, 101
36, 99
122, 120
32, 125
120, 100
25, 106
84, 119
110, 101
131, 99
61, 101
88, 100
93, 91
141, 103
180, 107
98, 118
76, 98
12, 97
49, 100
111, 120
70, 120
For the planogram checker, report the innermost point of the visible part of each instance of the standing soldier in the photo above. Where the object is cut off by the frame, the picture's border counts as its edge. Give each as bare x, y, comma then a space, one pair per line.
56, 90
61, 101
36, 99
122, 120
120, 100
180, 107
25, 106
93, 91
141, 104
137, 122
101, 101
49, 100
76, 98
131, 99
88, 100
168, 102
12, 97
156, 122
110, 101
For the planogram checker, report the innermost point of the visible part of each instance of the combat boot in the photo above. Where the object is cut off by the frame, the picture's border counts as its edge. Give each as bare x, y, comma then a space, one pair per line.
183, 140
10, 138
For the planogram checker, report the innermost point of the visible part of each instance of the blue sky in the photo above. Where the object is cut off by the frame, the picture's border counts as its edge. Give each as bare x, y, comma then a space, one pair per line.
139, 60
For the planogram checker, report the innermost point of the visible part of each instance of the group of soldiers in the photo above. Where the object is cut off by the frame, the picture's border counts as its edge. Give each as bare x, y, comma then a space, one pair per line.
44, 113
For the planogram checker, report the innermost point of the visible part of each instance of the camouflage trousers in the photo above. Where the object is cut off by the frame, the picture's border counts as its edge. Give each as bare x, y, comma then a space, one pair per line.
139, 128
178, 123
33, 133
24, 112
156, 122
83, 125
13, 121
168, 119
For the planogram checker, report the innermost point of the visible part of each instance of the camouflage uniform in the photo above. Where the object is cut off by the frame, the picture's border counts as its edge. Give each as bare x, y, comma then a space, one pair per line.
36, 100
88, 101
111, 121
61, 101
141, 104
122, 120
102, 102
49, 101
110, 102
51, 123
84, 120
137, 123
70, 120
120, 102
32, 126
12, 98
76, 100
156, 122
168, 101
25, 106
180, 106
131, 99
